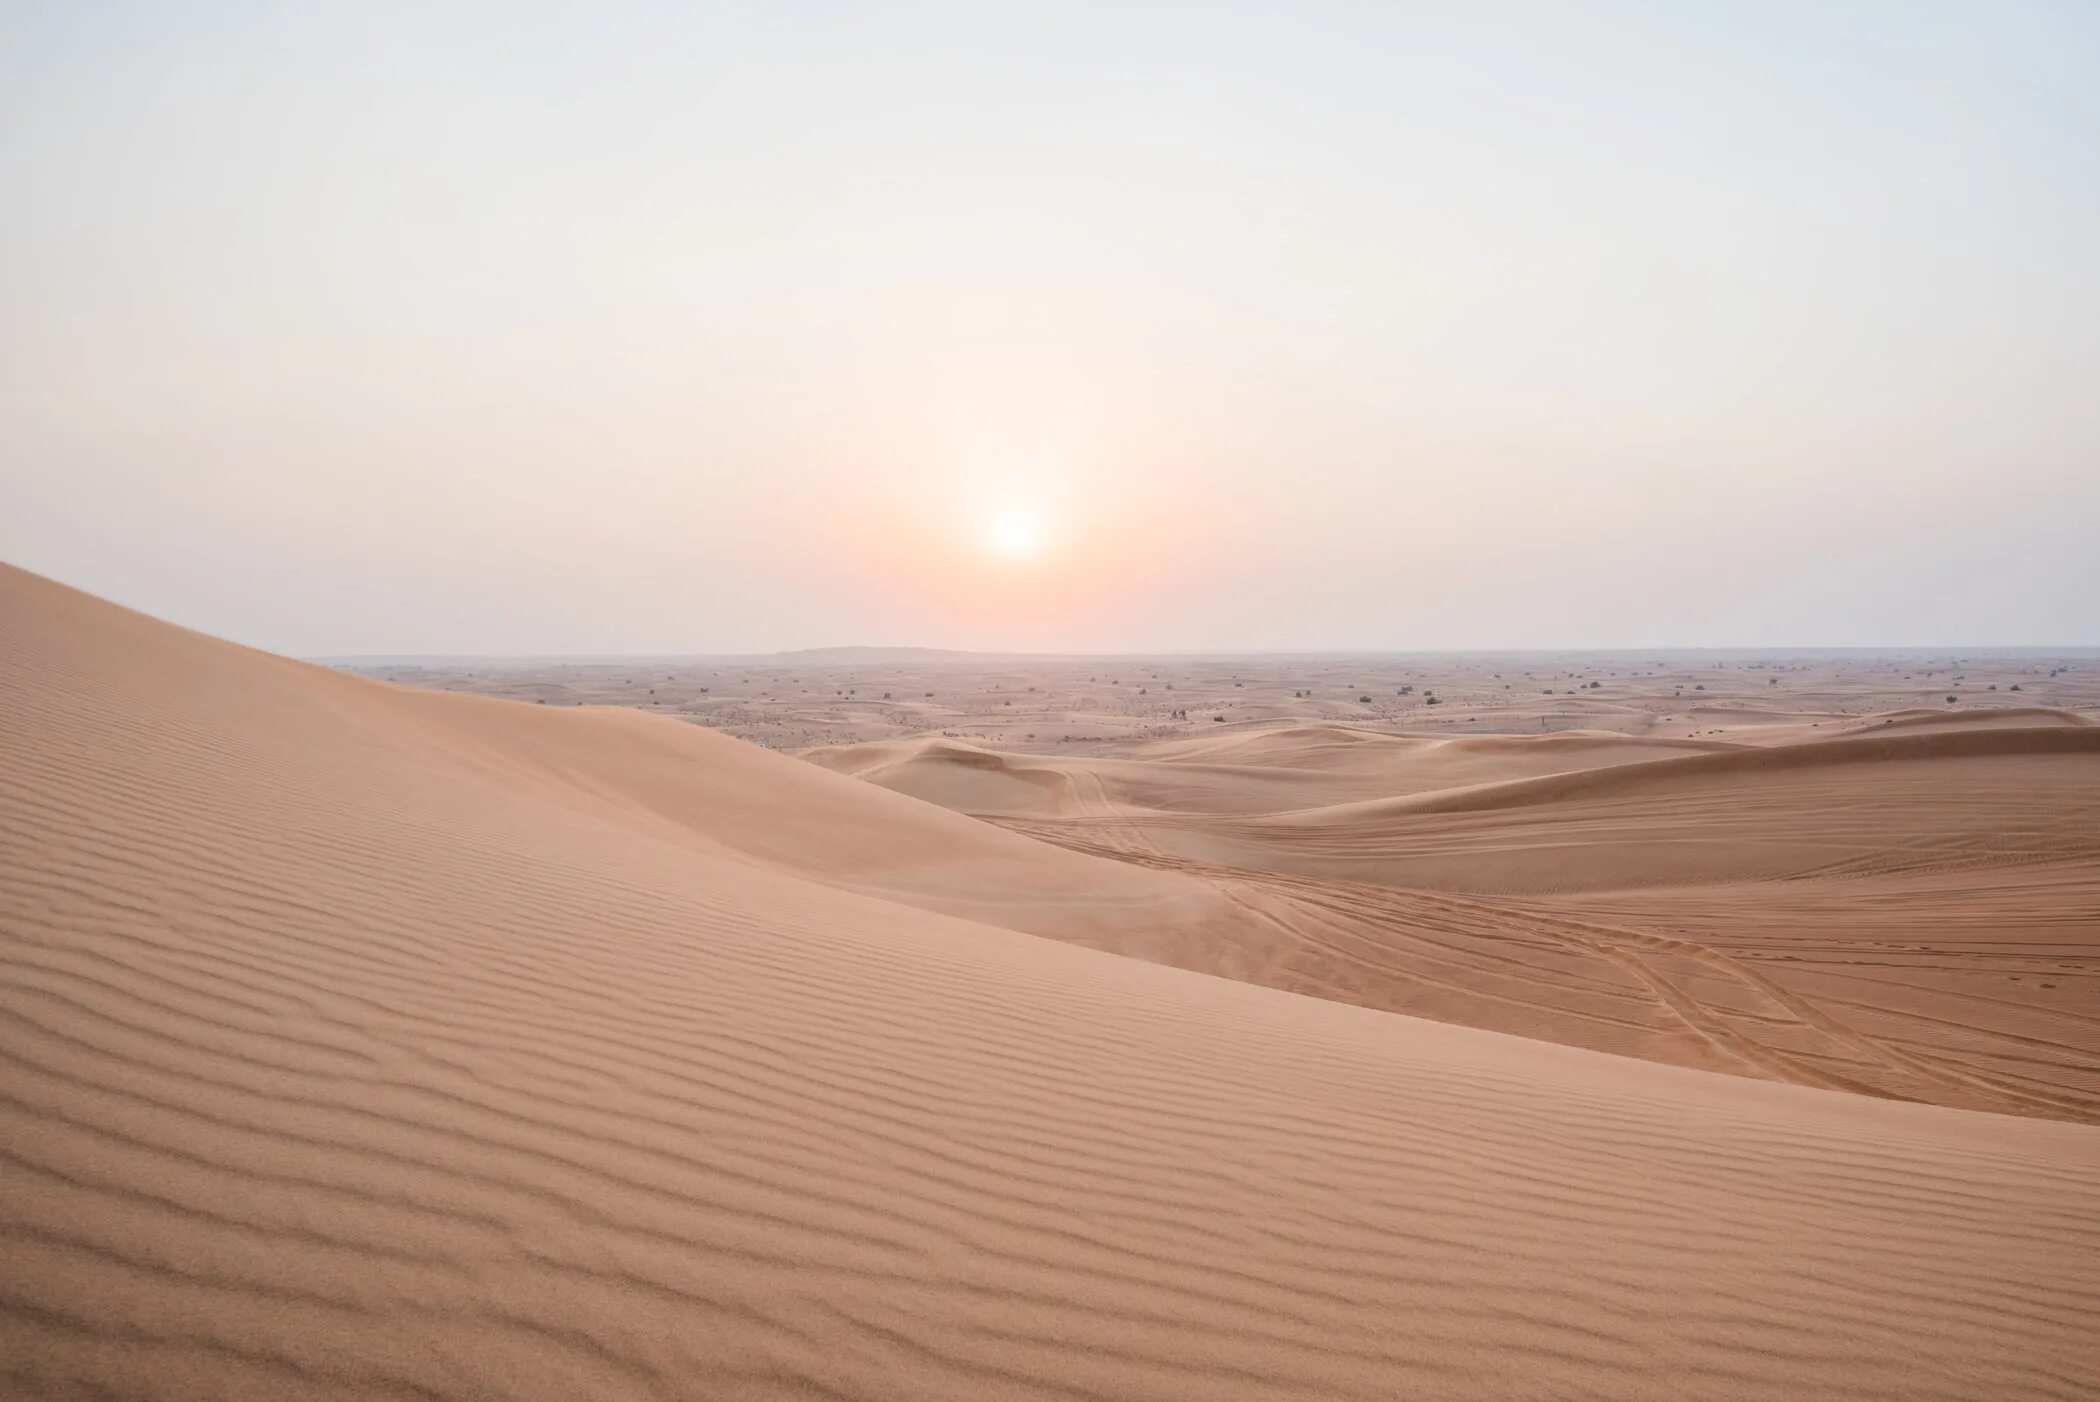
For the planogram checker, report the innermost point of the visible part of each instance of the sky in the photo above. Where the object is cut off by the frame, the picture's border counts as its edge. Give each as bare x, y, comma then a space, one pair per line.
375, 328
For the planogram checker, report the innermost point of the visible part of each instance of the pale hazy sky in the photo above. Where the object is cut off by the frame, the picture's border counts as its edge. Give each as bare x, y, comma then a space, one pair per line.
398, 328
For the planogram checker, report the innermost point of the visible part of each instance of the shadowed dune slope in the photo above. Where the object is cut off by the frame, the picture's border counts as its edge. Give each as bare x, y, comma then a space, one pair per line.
2017, 795
364, 1044
1910, 914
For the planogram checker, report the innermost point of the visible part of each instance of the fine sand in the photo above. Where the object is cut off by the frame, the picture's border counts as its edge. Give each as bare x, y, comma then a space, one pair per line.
1908, 907
360, 1041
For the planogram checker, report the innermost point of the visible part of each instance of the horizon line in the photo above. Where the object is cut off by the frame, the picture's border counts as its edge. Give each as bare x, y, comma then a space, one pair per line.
815, 655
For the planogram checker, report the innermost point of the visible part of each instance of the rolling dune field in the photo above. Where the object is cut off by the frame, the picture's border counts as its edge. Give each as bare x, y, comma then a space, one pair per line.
361, 1041
1905, 909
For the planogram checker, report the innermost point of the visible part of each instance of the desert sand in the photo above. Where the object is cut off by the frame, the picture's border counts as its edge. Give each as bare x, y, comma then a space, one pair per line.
1900, 908
1087, 705
362, 1040
1877, 870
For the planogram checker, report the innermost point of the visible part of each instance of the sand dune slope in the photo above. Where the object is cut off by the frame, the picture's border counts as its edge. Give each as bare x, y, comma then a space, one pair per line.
1868, 803
1416, 762
350, 1050
1243, 773
1609, 811
1905, 909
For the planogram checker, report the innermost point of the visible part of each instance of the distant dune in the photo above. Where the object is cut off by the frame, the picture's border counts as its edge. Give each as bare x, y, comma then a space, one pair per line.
375, 1043
1903, 906
1242, 771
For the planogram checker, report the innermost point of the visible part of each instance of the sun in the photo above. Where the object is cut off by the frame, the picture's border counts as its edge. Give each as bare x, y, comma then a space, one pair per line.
1015, 532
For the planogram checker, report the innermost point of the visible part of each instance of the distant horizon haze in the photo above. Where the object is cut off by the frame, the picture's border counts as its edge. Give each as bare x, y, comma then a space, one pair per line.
839, 656
463, 329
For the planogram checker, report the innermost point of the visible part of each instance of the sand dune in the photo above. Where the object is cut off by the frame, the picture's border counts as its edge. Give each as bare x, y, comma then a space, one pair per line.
1917, 719
2019, 796
1154, 707
367, 1043
1902, 909
1347, 750
1243, 772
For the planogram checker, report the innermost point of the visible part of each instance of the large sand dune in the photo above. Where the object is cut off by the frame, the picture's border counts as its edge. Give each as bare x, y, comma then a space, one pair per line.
360, 1042
1907, 906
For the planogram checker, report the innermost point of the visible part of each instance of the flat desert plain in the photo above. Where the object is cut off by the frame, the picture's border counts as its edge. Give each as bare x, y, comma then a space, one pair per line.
1621, 1026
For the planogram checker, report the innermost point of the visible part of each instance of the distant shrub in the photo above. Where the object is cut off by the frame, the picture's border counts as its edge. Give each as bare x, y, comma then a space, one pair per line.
1363, 700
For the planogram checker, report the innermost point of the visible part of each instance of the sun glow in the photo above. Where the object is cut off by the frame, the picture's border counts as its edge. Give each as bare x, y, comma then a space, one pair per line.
1015, 532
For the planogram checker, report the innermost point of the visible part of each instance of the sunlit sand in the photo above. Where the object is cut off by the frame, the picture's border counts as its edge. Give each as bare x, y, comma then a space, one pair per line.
373, 1041
1044, 702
